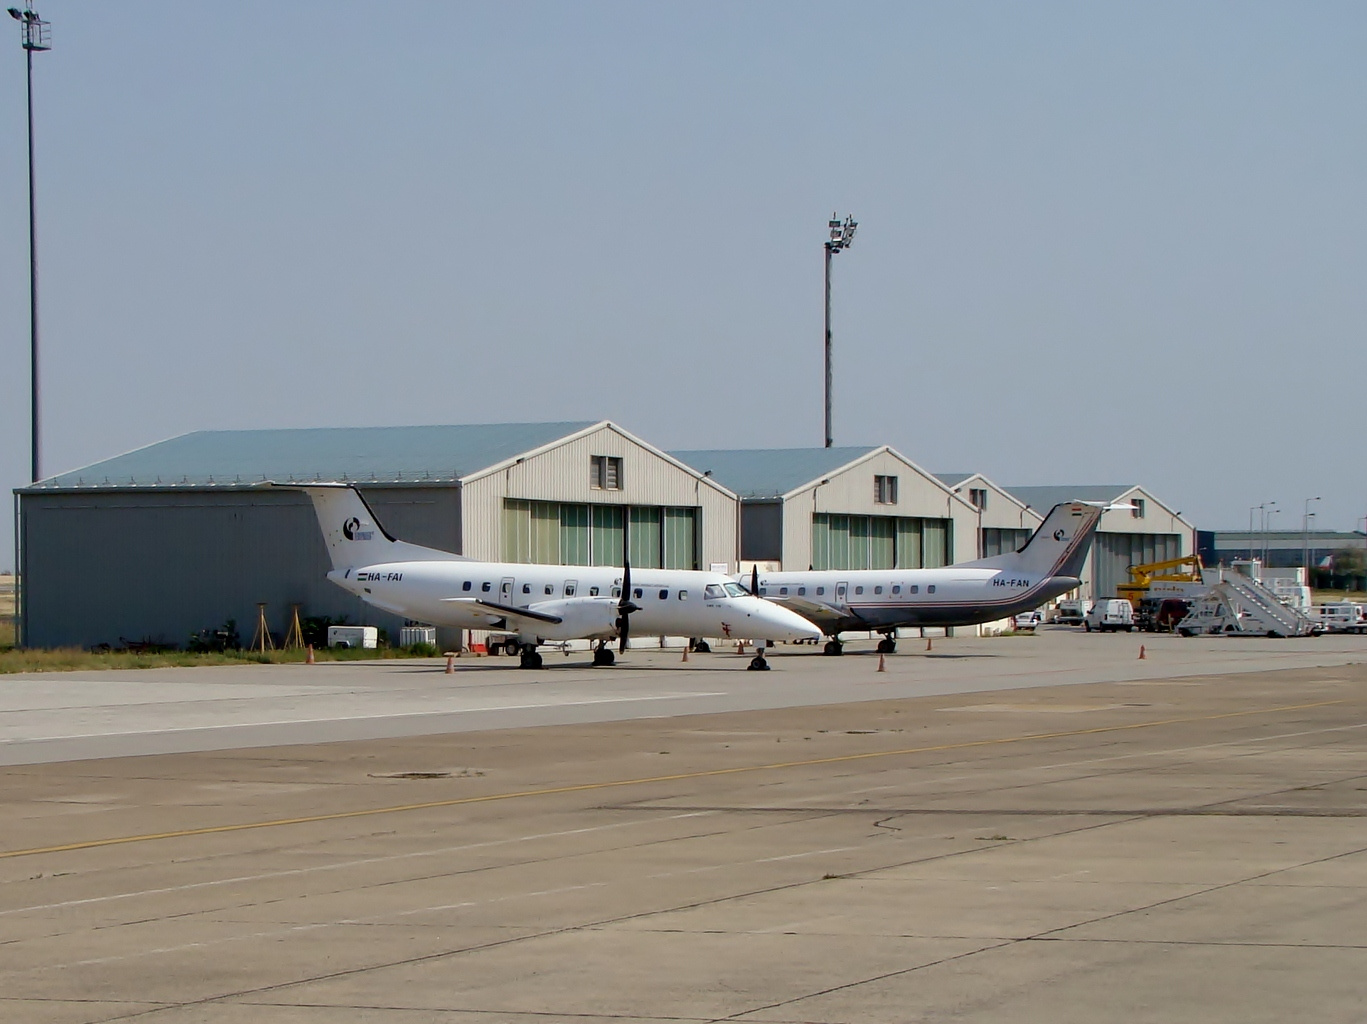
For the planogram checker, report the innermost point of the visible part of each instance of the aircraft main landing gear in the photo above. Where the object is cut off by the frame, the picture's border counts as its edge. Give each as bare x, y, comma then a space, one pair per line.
887, 645
602, 655
531, 657
834, 648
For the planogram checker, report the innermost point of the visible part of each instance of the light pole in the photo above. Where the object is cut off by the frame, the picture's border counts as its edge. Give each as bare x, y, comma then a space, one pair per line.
841, 237
1272, 510
36, 36
1305, 527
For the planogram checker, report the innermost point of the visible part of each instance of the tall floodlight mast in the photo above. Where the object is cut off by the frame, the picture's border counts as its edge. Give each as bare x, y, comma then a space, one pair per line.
36, 35
842, 234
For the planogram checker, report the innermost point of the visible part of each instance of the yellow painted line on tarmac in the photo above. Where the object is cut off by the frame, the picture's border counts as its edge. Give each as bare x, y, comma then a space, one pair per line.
619, 783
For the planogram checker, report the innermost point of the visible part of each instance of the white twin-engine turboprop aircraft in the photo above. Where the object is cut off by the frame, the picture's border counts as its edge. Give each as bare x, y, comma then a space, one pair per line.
537, 602
964, 594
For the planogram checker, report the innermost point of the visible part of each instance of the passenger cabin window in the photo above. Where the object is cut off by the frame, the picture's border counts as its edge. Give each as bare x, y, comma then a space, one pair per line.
915, 588
782, 591
550, 588
605, 473
820, 591
465, 585
713, 592
664, 595
593, 591
636, 592
930, 589
885, 490
896, 588
877, 590
801, 591
616, 591
858, 590
526, 588
569, 589
487, 587
683, 595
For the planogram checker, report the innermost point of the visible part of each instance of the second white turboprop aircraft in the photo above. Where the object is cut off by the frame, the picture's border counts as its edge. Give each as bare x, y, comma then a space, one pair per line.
964, 594
537, 602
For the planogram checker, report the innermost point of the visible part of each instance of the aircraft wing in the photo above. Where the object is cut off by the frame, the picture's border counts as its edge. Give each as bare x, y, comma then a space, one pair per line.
502, 611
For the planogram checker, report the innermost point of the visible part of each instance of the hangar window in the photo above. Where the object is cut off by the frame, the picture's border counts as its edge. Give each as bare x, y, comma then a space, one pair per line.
977, 497
1138, 511
465, 585
487, 587
605, 472
885, 490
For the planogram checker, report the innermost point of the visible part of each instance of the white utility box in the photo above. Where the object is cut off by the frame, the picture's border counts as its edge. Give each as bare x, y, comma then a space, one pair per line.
410, 635
354, 636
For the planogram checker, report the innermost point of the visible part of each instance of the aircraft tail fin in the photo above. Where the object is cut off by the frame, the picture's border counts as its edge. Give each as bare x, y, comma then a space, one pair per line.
1059, 546
352, 532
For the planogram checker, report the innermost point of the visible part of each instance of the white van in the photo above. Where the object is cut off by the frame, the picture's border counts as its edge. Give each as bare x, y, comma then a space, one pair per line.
1110, 613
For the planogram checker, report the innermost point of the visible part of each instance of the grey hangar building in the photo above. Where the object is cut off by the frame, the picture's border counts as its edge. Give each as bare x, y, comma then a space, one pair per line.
185, 534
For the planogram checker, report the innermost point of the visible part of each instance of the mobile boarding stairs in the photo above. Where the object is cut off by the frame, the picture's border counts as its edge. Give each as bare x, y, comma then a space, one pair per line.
1239, 605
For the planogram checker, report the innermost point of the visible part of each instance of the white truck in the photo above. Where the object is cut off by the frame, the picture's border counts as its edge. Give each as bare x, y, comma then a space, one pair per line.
1340, 617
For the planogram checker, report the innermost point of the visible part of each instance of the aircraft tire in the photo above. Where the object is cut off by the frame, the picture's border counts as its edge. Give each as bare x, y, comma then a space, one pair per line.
887, 645
833, 648
758, 664
702, 647
602, 656
531, 658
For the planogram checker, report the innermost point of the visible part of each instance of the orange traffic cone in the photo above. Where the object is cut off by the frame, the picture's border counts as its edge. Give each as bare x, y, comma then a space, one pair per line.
928, 643
740, 647
685, 657
1141, 652
882, 664
309, 660
450, 663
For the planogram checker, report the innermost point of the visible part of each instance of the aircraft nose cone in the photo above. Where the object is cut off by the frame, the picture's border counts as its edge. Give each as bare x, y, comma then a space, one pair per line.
783, 624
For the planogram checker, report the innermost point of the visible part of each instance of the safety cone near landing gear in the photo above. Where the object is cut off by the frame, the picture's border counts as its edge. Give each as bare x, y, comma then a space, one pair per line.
685, 657
929, 641
882, 664
309, 660
450, 663
1141, 652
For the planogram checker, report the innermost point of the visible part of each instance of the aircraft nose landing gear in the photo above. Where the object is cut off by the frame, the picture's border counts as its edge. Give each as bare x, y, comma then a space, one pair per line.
602, 654
887, 645
758, 663
531, 657
834, 648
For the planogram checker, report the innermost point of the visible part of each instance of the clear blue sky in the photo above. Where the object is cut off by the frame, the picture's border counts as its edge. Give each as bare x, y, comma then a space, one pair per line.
1097, 242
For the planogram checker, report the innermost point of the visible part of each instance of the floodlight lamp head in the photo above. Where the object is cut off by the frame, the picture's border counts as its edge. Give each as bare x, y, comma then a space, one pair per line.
15, 13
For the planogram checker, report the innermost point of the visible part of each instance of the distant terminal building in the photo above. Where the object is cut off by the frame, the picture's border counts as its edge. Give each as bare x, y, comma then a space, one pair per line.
840, 508
1277, 548
183, 535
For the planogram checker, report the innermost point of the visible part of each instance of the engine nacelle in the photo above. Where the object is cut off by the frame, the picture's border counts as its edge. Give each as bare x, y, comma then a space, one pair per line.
583, 618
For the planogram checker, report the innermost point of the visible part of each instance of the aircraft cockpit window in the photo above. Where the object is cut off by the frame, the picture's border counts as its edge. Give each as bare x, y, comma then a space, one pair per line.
466, 585
713, 592
487, 587
736, 590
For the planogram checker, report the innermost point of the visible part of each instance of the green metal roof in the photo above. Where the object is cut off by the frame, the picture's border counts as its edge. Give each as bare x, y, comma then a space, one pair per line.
381, 454
769, 472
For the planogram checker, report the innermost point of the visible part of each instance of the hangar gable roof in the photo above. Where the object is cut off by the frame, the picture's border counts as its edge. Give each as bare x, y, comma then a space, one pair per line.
383, 454
770, 472
1045, 498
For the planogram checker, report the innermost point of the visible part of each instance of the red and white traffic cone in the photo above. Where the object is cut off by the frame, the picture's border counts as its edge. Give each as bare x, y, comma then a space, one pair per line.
882, 663
685, 657
309, 660
1141, 652
450, 663
929, 641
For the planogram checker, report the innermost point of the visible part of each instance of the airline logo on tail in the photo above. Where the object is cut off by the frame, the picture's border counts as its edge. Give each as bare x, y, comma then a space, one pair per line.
351, 530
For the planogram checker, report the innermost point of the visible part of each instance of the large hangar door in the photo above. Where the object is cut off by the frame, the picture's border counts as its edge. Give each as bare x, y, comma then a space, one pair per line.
1114, 553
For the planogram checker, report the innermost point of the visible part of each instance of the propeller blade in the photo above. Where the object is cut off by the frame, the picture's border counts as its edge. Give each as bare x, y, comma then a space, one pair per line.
754, 580
624, 608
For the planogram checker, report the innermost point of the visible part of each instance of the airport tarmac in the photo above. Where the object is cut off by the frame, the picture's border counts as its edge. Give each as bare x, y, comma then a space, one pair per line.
1057, 832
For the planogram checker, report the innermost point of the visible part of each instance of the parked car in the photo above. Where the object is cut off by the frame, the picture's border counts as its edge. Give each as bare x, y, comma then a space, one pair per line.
1026, 621
1108, 614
